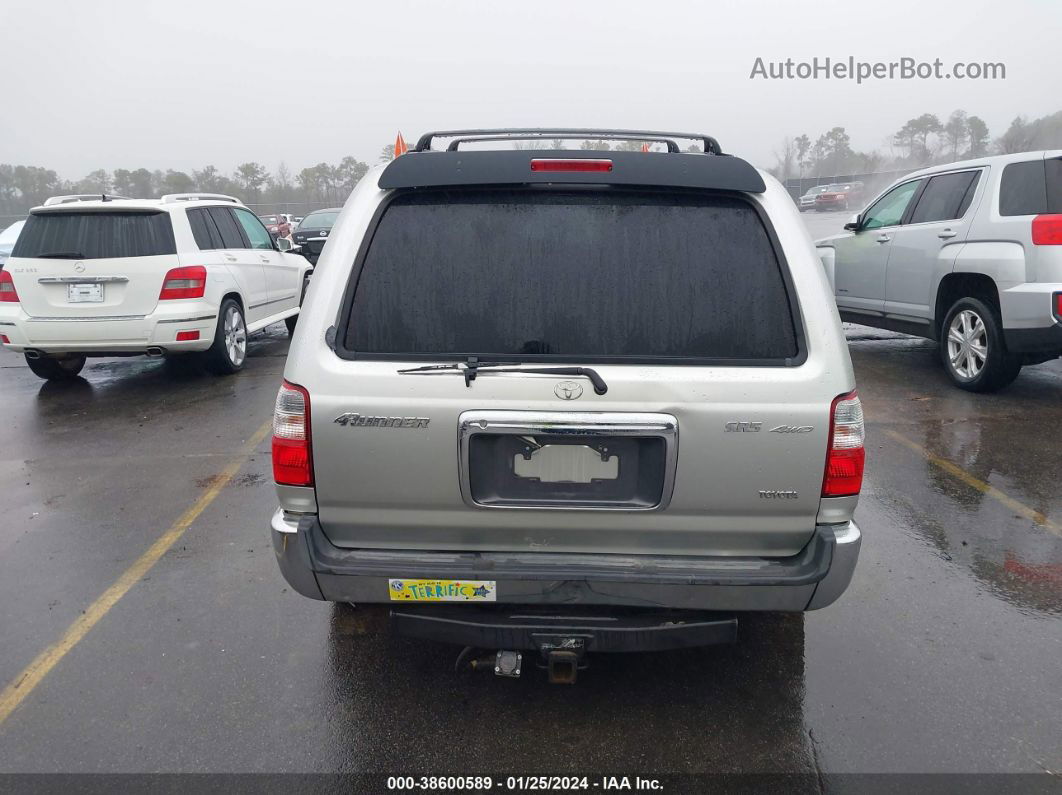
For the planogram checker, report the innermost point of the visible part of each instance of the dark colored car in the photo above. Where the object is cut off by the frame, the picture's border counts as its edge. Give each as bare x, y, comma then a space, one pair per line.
277, 225
312, 233
840, 196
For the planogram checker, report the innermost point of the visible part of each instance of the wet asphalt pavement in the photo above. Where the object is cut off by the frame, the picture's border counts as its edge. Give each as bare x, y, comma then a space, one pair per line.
944, 655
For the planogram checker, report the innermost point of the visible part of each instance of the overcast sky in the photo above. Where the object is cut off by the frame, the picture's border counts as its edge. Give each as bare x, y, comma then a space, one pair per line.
94, 84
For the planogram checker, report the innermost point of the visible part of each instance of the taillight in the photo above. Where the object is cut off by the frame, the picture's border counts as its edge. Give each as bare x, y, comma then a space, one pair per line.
4, 339
8, 294
845, 456
1058, 306
571, 164
1047, 230
292, 464
187, 282
187, 336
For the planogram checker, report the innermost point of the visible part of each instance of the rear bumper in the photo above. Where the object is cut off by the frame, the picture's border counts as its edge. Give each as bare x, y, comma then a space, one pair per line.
117, 334
1044, 340
311, 247
1029, 321
813, 578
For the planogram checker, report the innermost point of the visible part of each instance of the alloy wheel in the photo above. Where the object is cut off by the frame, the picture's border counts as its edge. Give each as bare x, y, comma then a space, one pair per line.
967, 344
235, 336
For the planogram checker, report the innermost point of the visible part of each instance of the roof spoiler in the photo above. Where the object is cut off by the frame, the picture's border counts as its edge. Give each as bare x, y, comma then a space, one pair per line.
425, 168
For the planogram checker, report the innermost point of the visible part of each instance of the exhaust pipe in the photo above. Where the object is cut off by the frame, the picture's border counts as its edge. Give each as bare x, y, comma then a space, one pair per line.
32, 354
154, 352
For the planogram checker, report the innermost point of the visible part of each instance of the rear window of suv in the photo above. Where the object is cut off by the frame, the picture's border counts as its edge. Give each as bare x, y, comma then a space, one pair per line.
1031, 188
95, 235
318, 221
576, 275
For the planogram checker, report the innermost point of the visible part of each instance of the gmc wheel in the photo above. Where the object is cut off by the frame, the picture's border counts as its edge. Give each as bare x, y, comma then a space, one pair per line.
973, 349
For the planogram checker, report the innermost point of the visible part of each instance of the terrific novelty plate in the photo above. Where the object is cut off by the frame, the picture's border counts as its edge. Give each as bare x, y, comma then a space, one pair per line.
442, 590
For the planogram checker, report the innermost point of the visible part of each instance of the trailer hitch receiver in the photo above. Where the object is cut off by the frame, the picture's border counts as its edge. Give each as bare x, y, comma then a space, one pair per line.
562, 667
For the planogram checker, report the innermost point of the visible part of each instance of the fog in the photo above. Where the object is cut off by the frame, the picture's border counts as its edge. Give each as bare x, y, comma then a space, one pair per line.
178, 85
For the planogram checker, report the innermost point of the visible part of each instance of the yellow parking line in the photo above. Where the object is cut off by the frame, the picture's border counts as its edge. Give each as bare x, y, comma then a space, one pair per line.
976, 483
23, 684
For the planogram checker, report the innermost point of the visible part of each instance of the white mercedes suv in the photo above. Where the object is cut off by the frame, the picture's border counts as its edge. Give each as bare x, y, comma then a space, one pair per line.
108, 276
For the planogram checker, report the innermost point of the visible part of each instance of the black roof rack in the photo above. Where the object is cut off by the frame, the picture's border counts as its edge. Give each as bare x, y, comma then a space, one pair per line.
711, 146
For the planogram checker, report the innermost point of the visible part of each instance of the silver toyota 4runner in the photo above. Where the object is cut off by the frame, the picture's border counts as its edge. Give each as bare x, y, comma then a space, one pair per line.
567, 401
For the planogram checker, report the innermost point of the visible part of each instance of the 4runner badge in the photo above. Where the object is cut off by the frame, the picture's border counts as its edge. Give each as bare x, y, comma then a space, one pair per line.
356, 420
778, 494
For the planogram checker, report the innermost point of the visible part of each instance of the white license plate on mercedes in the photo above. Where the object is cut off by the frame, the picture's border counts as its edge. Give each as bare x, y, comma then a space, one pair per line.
84, 293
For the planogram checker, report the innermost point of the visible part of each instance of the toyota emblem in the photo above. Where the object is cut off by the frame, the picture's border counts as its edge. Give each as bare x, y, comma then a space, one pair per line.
568, 390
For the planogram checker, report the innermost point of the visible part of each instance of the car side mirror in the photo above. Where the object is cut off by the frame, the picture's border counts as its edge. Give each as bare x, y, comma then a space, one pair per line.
283, 244
853, 223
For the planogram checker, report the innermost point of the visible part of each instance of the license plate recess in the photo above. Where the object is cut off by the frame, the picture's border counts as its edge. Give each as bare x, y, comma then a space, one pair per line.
607, 460
84, 293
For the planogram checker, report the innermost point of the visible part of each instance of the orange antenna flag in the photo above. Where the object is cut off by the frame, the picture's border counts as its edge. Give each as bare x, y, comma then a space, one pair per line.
645, 147
400, 145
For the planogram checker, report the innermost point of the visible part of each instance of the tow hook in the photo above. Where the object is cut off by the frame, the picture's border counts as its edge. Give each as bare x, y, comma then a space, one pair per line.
563, 656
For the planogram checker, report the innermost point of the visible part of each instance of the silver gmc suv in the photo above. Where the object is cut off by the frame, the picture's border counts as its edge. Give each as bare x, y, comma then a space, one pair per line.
563, 401
968, 254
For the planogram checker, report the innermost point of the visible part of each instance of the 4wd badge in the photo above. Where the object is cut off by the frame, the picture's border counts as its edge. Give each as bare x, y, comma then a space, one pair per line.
793, 429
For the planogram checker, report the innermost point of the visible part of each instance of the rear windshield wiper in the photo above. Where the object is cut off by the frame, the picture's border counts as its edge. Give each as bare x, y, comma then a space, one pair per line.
472, 367
62, 255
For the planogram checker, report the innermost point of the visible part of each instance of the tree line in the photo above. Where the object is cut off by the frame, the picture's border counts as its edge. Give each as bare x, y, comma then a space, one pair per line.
921, 141
22, 187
